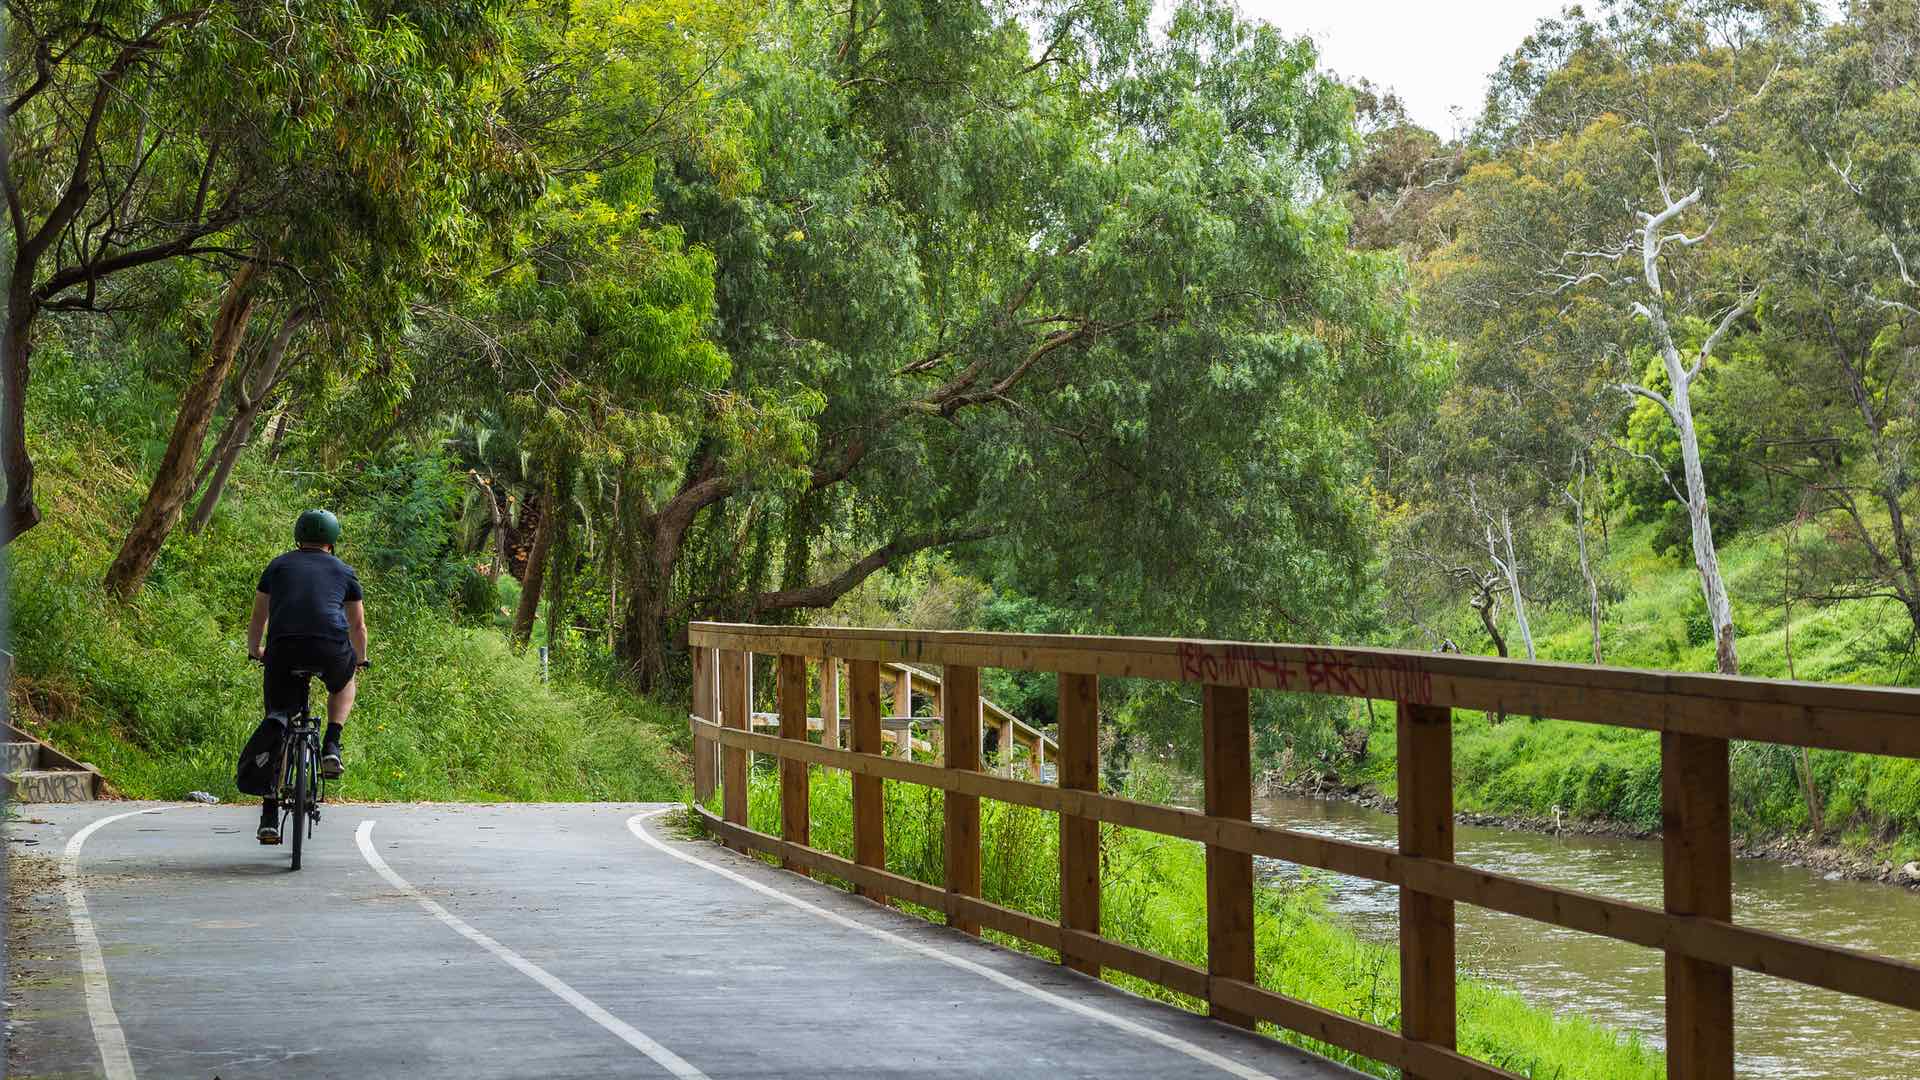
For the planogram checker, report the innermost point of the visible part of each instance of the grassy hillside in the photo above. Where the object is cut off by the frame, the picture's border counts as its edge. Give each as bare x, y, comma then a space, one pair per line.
1528, 767
160, 695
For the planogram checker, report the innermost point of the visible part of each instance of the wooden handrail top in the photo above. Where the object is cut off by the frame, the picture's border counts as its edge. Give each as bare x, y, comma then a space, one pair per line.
1878, 720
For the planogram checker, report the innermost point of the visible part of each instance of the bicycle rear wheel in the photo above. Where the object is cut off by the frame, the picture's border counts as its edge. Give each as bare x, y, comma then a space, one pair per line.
302, 797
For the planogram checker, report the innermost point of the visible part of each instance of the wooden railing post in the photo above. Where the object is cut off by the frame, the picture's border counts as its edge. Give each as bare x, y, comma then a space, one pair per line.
1697, 863
830, 702
705, 694
960, 693
1079, 763
1227, 745
903, 706
1425, 764
795, 813
869, 794
735, 669
1008, 743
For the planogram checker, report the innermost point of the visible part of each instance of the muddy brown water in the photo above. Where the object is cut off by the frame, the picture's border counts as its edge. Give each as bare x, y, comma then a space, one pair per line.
1782, 1029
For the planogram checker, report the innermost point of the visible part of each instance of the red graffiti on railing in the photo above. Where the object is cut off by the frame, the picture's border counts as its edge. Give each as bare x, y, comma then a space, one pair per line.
1395, 678
1235, 665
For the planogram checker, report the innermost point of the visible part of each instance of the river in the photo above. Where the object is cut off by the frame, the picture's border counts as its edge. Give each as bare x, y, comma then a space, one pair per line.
1782, 1029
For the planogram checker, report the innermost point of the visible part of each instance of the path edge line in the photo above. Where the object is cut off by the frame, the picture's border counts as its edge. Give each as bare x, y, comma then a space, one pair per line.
115, 1062
1171, 1042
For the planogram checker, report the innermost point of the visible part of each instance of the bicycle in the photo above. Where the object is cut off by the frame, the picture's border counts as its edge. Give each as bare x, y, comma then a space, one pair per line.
301, 789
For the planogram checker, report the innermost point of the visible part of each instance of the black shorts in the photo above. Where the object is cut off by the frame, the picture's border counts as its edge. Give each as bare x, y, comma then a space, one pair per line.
287, 693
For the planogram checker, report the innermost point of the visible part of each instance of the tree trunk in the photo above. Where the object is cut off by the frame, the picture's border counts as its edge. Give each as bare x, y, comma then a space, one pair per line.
172, 482
1679, 409
1705, 555
536, 570
1485, 606
1891, 486
1586, 563
19, 512
280, 421
1512, 568
496, 525
559, 565
252, 399
643, 638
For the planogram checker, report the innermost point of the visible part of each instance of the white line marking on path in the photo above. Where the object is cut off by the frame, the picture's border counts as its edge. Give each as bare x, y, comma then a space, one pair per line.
624, 1031
115, 1063
1171, 1042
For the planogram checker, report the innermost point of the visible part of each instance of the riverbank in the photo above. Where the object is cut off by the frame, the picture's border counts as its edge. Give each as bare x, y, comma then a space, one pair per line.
1153, 896
1834, 861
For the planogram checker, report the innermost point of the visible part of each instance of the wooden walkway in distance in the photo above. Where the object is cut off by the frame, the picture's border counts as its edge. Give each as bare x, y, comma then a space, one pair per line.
1018, 747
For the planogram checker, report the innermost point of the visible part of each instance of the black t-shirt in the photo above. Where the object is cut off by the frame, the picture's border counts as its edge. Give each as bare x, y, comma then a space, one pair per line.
308, 590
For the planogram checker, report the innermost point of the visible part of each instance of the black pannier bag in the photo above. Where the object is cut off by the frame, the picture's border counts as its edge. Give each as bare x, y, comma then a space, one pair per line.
254, 774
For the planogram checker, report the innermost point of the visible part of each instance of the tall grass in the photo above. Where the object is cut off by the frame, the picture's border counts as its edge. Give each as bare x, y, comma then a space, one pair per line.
1153, 896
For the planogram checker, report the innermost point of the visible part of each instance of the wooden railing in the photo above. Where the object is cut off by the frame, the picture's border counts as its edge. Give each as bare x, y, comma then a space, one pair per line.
1696, 716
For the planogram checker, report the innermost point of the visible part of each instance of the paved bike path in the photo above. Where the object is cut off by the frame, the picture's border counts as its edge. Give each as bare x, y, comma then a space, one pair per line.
565, 943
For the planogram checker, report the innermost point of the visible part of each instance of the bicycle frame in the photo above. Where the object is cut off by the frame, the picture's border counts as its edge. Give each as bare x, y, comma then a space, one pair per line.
299, 767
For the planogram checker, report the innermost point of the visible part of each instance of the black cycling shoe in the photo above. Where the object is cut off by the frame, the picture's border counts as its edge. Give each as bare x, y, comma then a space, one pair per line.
269, 832
330, 767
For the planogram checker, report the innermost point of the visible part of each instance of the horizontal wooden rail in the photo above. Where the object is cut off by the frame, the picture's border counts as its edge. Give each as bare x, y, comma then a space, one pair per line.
1871, 720
1696, 714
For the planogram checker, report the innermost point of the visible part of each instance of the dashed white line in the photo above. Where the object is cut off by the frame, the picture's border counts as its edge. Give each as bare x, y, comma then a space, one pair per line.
1171, 1042
115, 1063
622, 1030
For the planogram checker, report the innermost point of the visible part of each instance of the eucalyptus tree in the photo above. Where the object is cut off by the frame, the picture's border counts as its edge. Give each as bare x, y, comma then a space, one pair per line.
1615, 140
104, 170
1054, 282
251, 135
1836, 190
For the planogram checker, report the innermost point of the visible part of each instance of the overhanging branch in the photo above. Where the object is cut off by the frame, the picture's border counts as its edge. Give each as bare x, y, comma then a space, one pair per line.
826, 592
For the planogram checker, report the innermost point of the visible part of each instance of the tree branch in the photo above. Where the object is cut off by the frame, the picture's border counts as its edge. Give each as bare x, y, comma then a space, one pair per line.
826, 592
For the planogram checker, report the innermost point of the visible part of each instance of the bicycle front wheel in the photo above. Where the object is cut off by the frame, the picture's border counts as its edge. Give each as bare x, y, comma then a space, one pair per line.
302, 796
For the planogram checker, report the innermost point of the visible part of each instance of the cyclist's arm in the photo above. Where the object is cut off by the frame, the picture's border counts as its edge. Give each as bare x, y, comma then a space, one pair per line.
357, 627
257, 627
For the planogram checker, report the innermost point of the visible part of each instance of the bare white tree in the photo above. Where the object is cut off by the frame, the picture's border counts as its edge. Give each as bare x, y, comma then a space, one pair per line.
1651, 240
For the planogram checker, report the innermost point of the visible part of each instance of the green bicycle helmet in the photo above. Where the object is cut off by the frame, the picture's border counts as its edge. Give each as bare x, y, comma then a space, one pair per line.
316, 527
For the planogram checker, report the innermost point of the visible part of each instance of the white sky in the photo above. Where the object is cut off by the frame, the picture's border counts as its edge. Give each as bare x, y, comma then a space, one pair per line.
1436, 54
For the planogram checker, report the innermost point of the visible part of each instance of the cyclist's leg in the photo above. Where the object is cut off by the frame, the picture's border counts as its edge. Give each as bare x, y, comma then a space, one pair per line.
340, 704
340, 670
284, 694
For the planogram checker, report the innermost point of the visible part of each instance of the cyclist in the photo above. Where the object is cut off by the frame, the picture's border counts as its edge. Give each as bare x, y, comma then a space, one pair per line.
308, 607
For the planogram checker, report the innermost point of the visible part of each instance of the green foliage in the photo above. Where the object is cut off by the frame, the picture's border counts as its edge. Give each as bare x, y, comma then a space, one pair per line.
159, 693
402, 524
477, 597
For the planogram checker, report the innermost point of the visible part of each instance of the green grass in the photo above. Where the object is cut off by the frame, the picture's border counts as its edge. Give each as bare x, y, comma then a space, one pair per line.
1153, 896
159, 694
